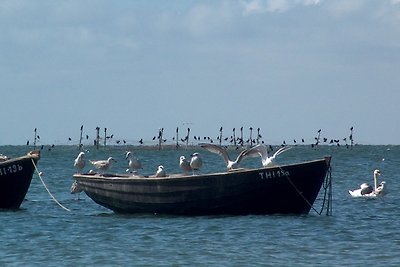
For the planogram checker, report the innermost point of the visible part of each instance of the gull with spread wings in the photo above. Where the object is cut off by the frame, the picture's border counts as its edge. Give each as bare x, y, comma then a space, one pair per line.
230, 164
262, 151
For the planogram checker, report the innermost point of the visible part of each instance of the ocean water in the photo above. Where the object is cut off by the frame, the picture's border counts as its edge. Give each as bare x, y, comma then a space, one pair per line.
359, 232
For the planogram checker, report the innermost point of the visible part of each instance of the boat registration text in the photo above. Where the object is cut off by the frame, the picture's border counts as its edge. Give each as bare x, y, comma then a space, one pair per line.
273, 174
10, 169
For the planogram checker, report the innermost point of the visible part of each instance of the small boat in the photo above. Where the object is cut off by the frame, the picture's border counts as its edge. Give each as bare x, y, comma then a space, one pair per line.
285, 189
15, 179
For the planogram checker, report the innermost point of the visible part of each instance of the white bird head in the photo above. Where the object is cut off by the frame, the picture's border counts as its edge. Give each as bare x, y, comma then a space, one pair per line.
128, 154
377, 172
81, 155
111, 159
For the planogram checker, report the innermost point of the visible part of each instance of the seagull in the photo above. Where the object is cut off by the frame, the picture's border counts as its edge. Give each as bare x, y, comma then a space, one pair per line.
103, 165
3, 157
79, 162
160, 171
230, 165
195, 162
134, 163
184, 164
76, 188
262, 151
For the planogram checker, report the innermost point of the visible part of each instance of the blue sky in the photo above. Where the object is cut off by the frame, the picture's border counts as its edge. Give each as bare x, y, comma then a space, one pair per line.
287, 67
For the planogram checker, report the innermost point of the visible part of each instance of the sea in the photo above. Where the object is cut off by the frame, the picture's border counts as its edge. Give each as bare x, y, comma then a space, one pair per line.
79, 232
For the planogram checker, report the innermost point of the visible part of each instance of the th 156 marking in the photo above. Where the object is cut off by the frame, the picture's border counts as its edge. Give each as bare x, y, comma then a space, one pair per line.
273, 174
11, 169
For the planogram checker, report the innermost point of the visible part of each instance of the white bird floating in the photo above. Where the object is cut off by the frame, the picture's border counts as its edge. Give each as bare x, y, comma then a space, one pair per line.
134, 164
184, 164
230, 164
79, 162
196, 162
103, 165
262, 151
366, 190
160, 171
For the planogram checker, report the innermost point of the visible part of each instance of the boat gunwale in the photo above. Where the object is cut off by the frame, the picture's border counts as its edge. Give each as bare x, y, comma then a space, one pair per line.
21, 158
127, 177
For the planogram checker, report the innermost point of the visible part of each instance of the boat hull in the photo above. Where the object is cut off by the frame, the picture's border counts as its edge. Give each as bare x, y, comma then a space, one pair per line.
15, 179
289, 189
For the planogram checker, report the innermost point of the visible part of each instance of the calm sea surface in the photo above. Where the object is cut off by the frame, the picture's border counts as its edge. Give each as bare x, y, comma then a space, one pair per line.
360, 232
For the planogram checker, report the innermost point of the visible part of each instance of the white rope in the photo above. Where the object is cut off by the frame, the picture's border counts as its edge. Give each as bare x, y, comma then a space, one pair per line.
48, 191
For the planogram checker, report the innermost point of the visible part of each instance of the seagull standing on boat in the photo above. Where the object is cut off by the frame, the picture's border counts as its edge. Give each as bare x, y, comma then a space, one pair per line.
103, 165
262, 151
230, 165
79, 162
134, 164
366, 190
196, 162
184, 164
160, 171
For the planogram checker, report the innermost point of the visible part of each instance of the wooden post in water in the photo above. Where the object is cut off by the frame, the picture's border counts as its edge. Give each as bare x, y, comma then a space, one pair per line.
80, 138
34, 139
234, 136
105, 137
351, 136
97, 137
187, 137
220, 136
177, 137
251, 136
160, 138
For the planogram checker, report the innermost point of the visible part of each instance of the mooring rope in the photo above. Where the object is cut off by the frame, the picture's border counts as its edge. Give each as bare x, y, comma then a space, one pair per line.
328, 190
48, 191
327, 184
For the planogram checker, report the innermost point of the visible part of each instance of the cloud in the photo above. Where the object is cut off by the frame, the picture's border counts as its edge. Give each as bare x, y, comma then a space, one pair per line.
264, 6
206, 19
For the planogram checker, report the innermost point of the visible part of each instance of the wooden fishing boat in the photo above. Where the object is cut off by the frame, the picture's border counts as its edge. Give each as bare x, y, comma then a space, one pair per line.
15, 179
287, 189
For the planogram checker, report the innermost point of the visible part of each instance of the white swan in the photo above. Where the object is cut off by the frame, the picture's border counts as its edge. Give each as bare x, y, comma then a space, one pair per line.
230, 164
367, 191
262, 151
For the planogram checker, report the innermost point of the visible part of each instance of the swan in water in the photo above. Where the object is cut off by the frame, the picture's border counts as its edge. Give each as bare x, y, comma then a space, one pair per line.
262, 151
230, 164
367, 190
